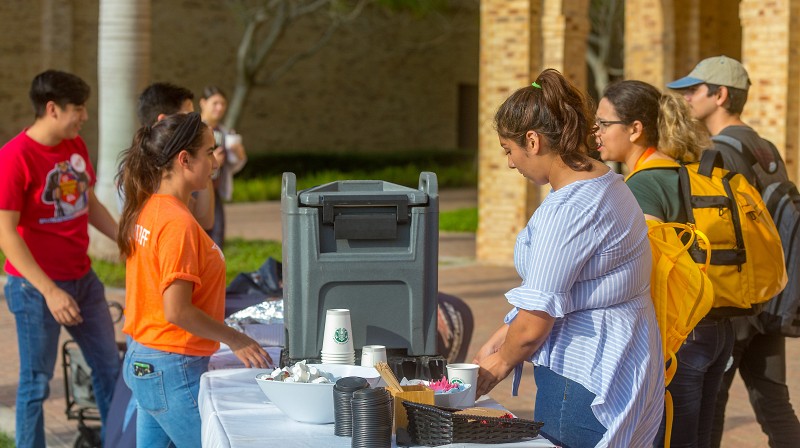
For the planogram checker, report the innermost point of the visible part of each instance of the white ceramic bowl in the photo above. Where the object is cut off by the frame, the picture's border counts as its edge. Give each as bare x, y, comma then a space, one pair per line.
309, 402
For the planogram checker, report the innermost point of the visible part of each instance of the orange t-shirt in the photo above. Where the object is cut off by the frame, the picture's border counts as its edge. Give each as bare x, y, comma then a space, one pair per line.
169, 244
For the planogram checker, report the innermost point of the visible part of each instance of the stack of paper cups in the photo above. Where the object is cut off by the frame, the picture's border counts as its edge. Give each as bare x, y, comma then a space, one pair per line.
337, 339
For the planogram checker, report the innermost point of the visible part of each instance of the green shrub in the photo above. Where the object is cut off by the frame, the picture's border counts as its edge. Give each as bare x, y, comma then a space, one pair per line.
260, 180
309, 162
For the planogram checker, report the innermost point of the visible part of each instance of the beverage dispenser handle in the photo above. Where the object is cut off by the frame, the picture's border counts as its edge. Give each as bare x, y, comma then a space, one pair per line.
428, 183
329, 203
289, 185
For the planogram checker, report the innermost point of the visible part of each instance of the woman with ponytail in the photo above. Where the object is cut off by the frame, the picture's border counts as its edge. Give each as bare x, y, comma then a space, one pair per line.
583, 313
636, 125
175, 281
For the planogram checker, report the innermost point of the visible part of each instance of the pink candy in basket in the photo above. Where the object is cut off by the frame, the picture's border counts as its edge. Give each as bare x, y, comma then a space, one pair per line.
445, 393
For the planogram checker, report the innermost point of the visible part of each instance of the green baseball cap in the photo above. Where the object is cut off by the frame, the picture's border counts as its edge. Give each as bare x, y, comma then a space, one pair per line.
719, 70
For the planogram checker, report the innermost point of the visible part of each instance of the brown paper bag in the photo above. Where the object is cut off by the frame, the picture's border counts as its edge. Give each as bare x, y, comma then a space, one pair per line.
416, 394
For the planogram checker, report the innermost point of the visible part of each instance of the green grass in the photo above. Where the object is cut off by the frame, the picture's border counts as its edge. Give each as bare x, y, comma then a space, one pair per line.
461, 220
240, 256
6, 441
247, 256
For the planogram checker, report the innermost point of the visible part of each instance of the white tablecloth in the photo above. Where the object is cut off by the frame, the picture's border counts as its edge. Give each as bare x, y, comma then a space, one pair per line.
236, 414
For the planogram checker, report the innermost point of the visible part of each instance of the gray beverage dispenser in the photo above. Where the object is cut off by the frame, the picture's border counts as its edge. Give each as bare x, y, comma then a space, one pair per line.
366, 245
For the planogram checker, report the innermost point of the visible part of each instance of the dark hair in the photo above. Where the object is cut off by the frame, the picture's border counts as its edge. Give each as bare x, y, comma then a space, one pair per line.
209, 91
557, 111
59, 87
161, 98
636, 100
152, 154
667, 120
736, 98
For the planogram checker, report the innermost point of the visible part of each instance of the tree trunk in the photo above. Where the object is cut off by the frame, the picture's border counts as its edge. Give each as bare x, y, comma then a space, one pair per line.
123, 67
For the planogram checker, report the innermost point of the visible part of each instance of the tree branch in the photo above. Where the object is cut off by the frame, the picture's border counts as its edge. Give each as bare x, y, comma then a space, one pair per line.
289, 63
298, 11
276, 30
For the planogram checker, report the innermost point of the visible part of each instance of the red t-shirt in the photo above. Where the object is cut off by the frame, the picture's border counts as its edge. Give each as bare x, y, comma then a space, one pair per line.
170, 245
49, 186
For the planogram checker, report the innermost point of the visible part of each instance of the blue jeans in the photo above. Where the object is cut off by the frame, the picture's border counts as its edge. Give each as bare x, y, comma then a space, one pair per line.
702, 360
564, 407
165, 386
37, 341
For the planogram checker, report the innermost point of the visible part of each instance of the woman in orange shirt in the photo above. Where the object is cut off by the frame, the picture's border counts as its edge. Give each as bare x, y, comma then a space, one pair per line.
175, 281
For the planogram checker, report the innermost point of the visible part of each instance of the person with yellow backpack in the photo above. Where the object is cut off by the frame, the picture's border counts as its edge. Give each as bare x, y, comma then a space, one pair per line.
638, 126
716, 90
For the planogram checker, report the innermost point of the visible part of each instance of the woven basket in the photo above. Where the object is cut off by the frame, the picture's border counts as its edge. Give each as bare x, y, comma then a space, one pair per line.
433, 426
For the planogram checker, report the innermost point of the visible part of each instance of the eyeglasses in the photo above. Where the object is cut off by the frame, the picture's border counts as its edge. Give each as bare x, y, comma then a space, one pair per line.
602, 125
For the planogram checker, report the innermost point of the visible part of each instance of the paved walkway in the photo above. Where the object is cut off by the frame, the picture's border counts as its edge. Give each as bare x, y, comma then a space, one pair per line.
482, 287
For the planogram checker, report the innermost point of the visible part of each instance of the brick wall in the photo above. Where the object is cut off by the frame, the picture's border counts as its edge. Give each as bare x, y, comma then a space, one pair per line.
386, 82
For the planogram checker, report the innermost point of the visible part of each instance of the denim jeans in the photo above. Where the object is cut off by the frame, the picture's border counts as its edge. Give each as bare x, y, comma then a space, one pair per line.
702, 359
166, 396
564, 407
761, 360
37, 340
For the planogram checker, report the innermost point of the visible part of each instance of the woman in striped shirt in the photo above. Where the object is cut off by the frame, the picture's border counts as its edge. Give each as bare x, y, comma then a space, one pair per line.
583, 313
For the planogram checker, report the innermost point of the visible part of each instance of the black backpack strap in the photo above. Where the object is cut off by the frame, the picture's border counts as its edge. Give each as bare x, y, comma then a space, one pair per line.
709, 159
734, 143
764, 155
686, 191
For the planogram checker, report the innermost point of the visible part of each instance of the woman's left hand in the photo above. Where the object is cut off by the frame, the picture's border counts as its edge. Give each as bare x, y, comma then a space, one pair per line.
493, 369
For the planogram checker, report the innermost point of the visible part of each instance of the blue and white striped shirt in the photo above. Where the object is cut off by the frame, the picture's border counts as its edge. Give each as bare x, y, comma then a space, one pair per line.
584, 258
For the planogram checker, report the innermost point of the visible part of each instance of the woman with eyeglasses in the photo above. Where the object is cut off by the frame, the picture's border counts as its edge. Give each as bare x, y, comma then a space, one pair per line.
583, 313
636, 124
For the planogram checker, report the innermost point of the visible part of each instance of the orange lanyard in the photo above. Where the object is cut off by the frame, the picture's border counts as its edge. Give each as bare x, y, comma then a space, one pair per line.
649, 152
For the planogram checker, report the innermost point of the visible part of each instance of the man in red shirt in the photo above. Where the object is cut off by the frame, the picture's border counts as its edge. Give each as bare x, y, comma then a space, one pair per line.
47, 202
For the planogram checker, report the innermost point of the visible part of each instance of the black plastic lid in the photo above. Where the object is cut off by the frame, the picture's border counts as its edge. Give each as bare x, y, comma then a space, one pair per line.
350, 384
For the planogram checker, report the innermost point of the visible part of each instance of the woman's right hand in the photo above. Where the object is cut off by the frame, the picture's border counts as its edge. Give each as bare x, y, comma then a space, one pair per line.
492, 345
249, 352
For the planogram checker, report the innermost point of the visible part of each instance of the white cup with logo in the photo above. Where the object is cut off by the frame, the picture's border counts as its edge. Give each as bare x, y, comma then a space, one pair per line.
337, 339
372, 354
464, 373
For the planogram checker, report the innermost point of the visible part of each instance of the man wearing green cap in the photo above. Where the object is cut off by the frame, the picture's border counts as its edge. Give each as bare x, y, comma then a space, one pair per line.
716, 90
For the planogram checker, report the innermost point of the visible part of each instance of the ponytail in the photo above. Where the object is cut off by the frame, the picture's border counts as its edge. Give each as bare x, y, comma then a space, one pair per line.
138, 180
145, 163
556, 110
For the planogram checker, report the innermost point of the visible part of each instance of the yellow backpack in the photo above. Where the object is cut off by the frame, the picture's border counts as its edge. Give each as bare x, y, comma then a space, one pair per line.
681, 291
747, 263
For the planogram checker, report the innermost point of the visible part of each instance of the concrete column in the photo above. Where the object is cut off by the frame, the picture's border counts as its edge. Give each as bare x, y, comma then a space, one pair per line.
770, 38
56, 35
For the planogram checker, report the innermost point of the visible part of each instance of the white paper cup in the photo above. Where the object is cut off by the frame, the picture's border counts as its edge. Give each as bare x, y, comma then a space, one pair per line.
372, 354
232, 140
465, 374
337, 339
